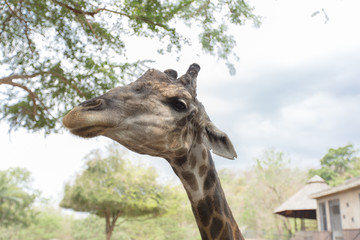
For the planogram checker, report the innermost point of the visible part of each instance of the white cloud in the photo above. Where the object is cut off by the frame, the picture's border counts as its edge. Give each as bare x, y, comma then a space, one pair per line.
305, 129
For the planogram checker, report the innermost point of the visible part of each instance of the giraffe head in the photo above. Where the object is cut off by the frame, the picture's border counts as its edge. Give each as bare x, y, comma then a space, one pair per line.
158, 115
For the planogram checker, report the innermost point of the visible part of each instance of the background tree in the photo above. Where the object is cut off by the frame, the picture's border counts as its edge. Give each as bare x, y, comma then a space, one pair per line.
48, 223
54, 54
268, 185
16, 197
338, 165
111, 187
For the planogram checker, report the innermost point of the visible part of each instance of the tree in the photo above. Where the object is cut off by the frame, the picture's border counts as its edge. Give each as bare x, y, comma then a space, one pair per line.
48, 223
54, 54
111, 187
89, 228
271, 182
16, 197
338, 165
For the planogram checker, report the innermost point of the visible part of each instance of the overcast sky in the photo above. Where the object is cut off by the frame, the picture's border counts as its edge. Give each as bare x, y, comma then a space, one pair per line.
297, 90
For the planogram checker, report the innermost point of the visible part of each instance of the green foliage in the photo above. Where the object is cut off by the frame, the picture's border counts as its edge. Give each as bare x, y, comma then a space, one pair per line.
111, 187
115, 184
269, 184
252, 196
338, 165
169, 226
46, 225
55, 54
16, 197
49, 223
89, 228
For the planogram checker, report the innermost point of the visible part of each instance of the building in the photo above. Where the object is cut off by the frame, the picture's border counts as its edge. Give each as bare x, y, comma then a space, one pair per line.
300, 205
338, 211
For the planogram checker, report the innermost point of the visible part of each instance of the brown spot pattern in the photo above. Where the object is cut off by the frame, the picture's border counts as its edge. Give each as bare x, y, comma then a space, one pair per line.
180, 160
204, 154
210, 179
198, 139
203, 234
202, 170
189, 177
192, 160
205, 209
226, 233
180, 152
216, 227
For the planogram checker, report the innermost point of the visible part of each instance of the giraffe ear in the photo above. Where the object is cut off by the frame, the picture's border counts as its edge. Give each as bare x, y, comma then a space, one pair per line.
218, 141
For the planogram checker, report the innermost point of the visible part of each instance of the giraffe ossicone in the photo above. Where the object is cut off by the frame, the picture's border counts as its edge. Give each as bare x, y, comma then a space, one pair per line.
159, 115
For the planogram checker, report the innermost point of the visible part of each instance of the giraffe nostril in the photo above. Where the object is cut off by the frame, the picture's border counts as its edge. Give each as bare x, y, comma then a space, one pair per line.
93, 104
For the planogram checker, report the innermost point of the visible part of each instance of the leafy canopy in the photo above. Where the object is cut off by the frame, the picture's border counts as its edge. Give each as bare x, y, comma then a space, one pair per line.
111, 187
16, 197
272, 180
338, 165
54, 54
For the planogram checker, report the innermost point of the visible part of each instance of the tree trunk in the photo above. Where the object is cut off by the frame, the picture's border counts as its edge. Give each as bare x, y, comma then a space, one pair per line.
108, 234
108, 227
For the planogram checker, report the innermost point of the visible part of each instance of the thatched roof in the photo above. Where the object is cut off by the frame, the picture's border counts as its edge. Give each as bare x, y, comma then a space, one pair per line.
300, 205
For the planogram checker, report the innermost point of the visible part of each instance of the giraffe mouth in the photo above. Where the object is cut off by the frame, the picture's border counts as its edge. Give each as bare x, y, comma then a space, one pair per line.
89, 132
87, 120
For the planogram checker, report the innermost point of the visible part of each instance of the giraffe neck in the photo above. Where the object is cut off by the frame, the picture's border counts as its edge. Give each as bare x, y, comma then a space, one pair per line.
213, 216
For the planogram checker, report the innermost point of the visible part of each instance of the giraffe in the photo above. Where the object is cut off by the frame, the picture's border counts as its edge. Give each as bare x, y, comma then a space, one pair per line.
159, 115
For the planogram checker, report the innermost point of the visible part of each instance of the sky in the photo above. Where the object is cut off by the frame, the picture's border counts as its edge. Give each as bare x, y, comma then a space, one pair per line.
296, 90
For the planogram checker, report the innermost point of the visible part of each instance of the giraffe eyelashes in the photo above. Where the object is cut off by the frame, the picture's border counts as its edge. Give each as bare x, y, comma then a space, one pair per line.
178, 105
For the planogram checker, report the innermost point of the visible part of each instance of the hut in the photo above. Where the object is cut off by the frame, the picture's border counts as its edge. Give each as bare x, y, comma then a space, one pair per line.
300, 205
339, 211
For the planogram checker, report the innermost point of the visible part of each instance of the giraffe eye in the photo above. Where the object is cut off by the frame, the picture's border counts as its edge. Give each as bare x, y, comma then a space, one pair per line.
178, 105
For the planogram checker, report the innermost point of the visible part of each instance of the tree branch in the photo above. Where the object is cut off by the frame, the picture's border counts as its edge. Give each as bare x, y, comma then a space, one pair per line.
97, 10
64, 80
115, 218
76, 11
140, 18
32, 95
107, 220
4, 23
8, 80
26, 27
